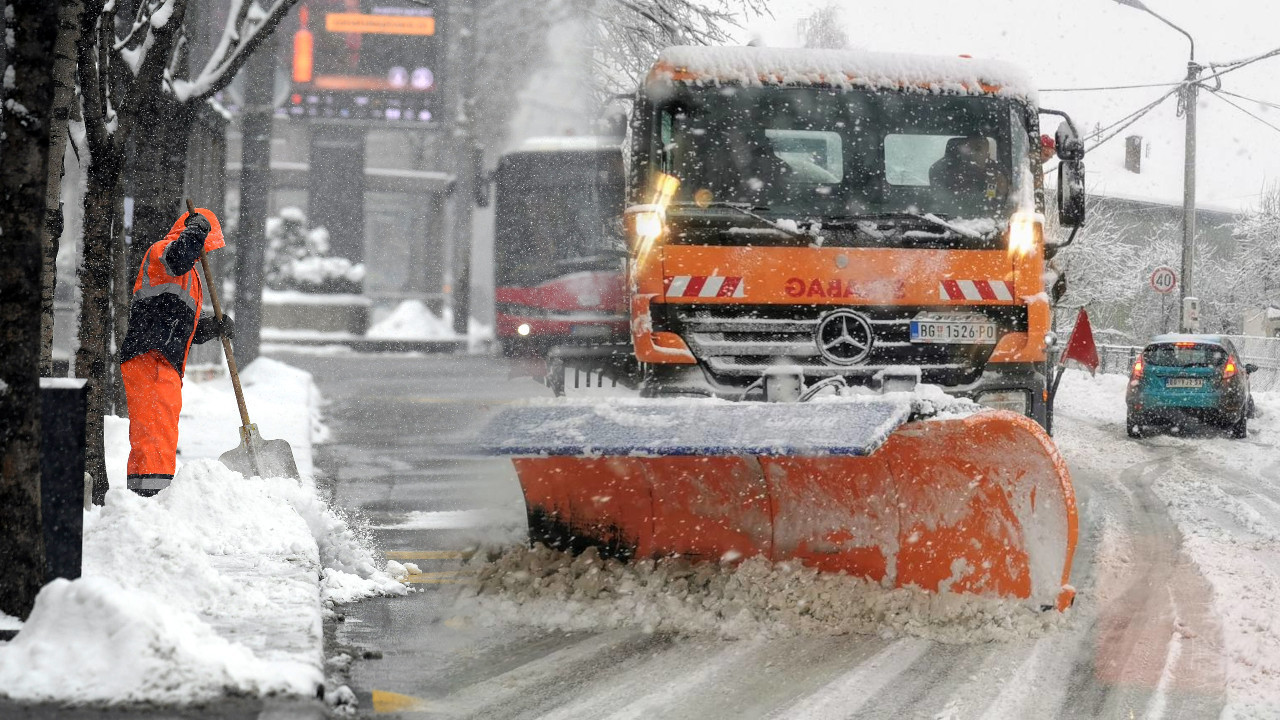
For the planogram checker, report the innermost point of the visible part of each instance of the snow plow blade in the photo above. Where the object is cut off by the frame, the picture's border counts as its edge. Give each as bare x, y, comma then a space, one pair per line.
976, 504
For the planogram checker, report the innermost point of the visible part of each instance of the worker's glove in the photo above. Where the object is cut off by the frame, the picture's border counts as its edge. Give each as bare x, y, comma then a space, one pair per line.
227, 327
199, 222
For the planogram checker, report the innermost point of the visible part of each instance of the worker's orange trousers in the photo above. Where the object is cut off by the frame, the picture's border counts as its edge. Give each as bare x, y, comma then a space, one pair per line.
154, 391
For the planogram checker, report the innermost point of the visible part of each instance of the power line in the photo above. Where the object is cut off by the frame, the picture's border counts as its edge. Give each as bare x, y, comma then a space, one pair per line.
1246, 112
1111, 87
1248, 99
1129, 119
1135, 117
1240, 63
1119, 126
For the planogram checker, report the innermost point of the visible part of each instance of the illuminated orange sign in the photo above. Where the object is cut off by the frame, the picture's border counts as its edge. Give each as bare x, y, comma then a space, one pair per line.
379, 24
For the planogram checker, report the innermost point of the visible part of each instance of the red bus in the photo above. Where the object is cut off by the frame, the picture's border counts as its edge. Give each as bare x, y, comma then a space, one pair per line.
559, 254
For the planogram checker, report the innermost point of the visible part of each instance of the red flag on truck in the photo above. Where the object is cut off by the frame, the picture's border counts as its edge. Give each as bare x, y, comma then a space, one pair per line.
1080, 347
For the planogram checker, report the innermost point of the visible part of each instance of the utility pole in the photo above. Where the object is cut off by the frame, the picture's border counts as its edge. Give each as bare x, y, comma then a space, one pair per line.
1189, 95
457, 247
1188, 98
255, 191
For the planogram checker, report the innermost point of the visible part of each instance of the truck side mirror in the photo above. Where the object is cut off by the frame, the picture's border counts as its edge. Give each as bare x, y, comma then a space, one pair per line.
1071, 195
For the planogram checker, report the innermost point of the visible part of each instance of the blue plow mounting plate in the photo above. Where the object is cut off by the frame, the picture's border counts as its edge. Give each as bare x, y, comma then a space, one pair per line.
688, 427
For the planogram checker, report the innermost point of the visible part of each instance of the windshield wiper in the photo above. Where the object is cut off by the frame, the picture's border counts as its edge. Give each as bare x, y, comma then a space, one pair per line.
750, 211
930, 218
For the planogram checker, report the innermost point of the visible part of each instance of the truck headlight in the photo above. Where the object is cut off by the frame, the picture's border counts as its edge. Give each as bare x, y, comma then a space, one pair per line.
1024, 229
523, 329
1011, 400
648, 226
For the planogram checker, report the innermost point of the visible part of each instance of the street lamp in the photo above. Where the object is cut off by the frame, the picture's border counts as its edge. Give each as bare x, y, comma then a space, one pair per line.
1189, 92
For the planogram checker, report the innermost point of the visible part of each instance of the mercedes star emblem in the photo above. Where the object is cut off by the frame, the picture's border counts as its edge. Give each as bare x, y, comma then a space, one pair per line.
844, 337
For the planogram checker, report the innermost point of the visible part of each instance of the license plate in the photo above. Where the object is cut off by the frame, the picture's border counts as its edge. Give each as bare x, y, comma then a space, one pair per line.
1184, 382
953, 331
591, 331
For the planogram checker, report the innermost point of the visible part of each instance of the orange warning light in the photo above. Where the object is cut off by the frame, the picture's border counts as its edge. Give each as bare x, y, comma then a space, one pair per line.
379, 24
303, 50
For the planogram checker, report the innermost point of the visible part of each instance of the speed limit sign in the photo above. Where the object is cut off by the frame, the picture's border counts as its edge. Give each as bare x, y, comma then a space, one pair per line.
1164, 279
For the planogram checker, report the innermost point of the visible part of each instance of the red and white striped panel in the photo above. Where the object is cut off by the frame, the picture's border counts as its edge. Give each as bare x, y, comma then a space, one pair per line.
704, 286
975, 290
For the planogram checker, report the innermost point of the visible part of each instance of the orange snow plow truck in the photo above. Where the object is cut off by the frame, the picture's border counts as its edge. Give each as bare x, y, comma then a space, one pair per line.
837, 287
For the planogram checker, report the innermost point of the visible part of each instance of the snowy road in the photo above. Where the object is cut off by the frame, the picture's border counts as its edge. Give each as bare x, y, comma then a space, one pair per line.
1177, 570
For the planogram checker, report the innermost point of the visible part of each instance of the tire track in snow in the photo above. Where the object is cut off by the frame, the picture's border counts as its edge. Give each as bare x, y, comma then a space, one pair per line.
845, 696
1140, 588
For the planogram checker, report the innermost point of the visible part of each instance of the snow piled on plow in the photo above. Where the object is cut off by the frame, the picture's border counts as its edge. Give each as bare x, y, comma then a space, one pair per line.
755, 598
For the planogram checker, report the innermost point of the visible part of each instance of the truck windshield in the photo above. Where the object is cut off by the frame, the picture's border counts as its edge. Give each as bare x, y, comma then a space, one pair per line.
829, 153
555, 213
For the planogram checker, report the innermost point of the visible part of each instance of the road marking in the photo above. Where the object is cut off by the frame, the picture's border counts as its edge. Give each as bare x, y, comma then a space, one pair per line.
389, 702
428, 554
844, 696
438, 578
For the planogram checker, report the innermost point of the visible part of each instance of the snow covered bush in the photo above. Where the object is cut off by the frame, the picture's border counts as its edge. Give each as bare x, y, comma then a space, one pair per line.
298, 258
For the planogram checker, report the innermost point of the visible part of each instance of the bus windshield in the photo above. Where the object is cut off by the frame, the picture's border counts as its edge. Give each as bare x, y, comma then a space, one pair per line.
824, 152
556, 212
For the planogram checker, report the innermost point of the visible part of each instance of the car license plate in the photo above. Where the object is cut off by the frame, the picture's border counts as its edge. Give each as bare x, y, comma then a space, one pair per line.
591, 331
957, 330
1183, 382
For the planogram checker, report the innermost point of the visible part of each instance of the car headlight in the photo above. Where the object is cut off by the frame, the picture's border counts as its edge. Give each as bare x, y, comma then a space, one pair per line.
1011, 400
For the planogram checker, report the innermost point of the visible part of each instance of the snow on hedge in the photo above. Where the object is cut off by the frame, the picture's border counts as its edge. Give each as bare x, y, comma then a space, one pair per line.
843, 68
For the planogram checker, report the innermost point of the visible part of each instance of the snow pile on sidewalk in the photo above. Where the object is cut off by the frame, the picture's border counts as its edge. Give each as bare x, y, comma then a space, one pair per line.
215, 585
755, 598
412, 320
283, 402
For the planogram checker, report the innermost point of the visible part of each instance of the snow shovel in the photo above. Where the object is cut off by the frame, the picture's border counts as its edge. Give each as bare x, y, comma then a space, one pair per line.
254, 456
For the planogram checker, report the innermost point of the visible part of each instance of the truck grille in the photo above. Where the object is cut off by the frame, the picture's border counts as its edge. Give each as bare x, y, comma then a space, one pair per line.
738, 340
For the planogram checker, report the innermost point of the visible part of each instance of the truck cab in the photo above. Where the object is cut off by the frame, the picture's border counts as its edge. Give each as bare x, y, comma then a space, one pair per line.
848, 214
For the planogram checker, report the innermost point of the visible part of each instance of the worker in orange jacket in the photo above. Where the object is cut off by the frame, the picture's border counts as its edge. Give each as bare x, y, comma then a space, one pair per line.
164, 320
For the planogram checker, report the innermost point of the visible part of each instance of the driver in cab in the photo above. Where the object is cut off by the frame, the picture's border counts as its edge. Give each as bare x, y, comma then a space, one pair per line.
967, 169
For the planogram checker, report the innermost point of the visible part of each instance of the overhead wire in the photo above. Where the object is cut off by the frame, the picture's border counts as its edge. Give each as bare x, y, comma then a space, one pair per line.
1127, 120
1233, 66
1119, 126
1111, 87
1248, 99
1246, 112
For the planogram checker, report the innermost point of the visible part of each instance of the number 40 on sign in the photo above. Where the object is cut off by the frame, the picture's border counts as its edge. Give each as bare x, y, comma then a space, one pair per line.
1164, 279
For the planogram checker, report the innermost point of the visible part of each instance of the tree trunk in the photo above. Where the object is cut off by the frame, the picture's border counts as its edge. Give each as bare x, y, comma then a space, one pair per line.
157, 169
122, 277
255, 189
64, 82
95, 309
26, 96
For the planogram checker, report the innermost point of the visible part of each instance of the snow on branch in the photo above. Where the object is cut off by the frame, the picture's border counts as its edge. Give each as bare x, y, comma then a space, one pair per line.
248, 25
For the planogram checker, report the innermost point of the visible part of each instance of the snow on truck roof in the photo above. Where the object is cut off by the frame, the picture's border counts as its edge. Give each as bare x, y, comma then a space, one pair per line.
847, 68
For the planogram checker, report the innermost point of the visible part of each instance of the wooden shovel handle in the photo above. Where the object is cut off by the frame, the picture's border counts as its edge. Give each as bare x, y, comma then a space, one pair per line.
226, 342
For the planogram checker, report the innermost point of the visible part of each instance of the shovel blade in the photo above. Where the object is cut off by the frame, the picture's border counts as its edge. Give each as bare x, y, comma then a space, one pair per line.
262, 458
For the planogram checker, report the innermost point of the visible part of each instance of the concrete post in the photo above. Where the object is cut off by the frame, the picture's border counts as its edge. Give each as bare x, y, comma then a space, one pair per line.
1190, 93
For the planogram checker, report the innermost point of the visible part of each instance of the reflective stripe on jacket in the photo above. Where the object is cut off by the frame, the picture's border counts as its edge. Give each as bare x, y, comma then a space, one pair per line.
167, 296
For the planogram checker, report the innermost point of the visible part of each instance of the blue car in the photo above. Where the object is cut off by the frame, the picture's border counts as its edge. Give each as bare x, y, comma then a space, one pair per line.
1196, 377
